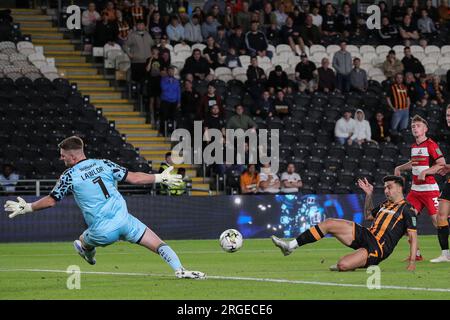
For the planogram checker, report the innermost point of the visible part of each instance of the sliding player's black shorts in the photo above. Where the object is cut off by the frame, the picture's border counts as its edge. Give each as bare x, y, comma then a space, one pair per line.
445, 194
363, 238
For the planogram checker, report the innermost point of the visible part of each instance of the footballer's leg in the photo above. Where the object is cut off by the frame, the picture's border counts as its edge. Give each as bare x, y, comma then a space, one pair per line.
340, 229
443, 231
151, 241
352, 261
414, 199
86, 251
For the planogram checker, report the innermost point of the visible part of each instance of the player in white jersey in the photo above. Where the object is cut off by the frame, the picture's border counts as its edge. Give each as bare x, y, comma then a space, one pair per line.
93, 184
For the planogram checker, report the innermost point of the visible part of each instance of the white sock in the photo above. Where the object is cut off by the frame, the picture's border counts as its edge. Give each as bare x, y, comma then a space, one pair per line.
293, 244
418, 253
445, 252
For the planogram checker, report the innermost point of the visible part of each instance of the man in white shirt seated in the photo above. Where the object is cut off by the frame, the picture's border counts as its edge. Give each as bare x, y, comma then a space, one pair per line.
344, 129
8, 179
290, 180
268, 181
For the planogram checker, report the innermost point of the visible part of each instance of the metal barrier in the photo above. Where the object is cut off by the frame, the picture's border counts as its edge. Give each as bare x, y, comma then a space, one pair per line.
43, 187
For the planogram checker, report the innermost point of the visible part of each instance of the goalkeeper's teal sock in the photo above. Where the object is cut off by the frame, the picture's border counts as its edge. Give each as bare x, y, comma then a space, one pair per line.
169, 256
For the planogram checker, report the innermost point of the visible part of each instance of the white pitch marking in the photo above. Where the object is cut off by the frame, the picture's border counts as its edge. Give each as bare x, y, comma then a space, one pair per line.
316, 283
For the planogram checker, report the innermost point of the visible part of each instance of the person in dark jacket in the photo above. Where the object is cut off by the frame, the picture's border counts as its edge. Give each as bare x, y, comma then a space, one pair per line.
105, 31
327, 77
256, 78
264, 106
196, 65
211, 98
237, 40
278, 80
380, 128
411, 63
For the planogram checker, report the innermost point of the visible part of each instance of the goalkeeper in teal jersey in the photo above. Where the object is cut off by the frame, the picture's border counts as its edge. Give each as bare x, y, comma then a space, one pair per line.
92, 183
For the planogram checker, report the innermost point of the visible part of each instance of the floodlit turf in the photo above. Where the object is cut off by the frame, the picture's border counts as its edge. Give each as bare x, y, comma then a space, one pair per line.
139, 274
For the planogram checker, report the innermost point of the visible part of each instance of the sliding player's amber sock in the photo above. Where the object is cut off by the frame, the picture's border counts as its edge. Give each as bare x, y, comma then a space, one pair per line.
312, 235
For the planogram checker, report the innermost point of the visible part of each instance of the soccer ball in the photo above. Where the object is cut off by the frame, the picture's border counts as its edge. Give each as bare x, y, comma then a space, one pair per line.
231, 240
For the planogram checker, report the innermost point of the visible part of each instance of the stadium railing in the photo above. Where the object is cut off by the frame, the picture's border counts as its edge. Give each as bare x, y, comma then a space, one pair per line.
43, 187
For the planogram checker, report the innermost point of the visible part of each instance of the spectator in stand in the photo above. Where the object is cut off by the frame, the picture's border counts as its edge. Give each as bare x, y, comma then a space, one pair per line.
139, 13
278, 80
232, 59
156, 26
392, 66
424, 87
153, 69
105, 31
410, 83
193, 31
264, 106
310, 33
170, 98
190, 101
123, 29
8, 179
164, 53
408, 32
327, 78
273, 34
299, 16
290, 34
168, 8
305, 70
342, 63
110, 11
213, 54
444, 13
438, 89
241, 120
388, 33
362, 132
345, 128
229, 19
196, 65
281, 106
399, 102
211, 98
267, 17
398, 11
346, 21
243, 17
432, 11
256, 78
280, 15
89, 19
214, 120
380, 128
425, 24
249, 180
358, 77
411, 63
209, 27
291, 182
317, 19
329, 25
183, 16
175, 31
237, 40
268, 180
138, 47
222, 40
256, 41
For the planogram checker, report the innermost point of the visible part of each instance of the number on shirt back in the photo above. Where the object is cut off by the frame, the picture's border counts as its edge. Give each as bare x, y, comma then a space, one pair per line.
102, 186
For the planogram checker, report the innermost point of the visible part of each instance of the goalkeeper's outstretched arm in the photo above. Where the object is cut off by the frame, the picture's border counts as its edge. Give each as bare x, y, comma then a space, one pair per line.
22, 207
145, 178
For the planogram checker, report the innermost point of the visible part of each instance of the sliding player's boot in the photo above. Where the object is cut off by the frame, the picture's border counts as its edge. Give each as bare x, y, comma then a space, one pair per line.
186, 274
88, 255
284, 246
441, 258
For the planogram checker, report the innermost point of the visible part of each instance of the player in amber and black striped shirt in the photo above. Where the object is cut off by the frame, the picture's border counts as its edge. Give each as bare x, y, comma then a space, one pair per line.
391, 220
444, 209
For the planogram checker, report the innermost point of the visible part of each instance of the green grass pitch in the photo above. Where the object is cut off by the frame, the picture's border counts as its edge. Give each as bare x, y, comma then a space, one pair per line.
257, 271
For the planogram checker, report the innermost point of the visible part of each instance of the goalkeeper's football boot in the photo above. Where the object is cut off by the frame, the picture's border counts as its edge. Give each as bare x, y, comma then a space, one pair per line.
283, 245
334, 267
88, 255
186, 274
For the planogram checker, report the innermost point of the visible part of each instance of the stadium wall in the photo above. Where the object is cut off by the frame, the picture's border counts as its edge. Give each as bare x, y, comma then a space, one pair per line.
256, 216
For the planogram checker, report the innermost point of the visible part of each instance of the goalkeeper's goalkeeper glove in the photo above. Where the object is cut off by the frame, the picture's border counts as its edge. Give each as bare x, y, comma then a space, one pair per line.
170, 180
20, 207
